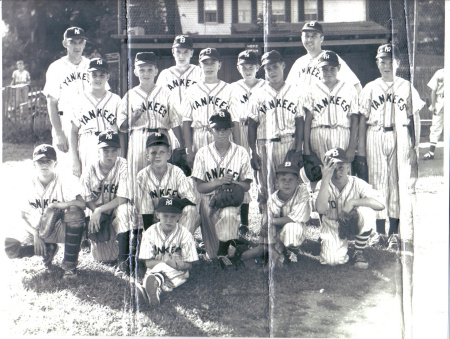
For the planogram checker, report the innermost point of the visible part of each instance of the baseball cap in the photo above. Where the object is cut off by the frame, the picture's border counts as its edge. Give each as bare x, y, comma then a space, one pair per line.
157, 138
388, 50
287, 167
108, 138
208, 53
247, 57
98, 64
44, 151
313, 26
328, 58
145, 58
338, 154
271, 58
183, 41
74, 33
221, 119
170, 204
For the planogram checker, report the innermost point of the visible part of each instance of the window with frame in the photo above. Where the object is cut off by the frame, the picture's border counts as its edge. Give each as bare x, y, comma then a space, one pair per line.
210, 10
278, 10
245, 11
311, 10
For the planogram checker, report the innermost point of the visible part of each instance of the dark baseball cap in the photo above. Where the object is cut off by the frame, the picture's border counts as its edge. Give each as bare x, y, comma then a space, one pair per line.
209, 53
183, 41
98, 64
388, 50
328, 58
170, 204
287, 167
312, 26
44, 151
271, 58
157, 138
221, 119
338, 154
74, 33
108, 138
247, 57
145, 58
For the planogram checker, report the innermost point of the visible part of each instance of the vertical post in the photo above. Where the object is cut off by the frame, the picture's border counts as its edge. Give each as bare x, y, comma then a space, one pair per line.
119, 17
414, 44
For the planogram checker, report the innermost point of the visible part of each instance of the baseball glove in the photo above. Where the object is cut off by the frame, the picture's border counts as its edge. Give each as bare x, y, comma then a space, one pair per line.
228, 195
104, 233
312, 167
179, 159
48, 221
348, 225
359, 167
296, 158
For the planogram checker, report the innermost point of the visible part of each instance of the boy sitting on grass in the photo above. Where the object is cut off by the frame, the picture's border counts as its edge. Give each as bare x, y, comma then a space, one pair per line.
288, 211
168, 249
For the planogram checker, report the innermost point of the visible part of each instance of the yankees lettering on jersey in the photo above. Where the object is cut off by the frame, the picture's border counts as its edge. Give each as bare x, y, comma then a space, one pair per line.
111, 118
38, 203
162, 192
163, 250
155, 107
337, 101
181, 83
75, 76
313, 71
389, 97
215, 173
209, 100
278, 103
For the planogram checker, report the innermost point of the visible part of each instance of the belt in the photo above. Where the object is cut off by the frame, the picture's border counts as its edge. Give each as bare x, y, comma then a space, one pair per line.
440, 95
276, 139
153, 130
388, 129
244, 122
60, 112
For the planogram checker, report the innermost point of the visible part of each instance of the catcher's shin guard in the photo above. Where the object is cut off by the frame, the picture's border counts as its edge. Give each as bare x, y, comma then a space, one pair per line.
74, 220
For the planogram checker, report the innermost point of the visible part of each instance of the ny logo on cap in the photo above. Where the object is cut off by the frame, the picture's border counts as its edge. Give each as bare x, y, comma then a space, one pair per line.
387, 49
182, 39
287, 164
77, 31
222, 114
247, 54
109, 136
44, 148
157, 134
208, 51
326, 56
312, 23
168, 202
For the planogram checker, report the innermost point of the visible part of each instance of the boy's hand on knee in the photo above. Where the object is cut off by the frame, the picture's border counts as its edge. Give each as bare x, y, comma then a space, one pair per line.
39, 246
94, 223
76, 168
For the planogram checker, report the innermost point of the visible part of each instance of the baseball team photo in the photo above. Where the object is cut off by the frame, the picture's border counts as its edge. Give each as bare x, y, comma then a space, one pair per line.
225, 168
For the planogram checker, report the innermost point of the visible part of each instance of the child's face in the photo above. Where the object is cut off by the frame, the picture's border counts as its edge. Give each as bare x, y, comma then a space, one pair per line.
387, 67
75, 47
287, 182
274, 72
248, 71
182, 55
98, 79
312, 41
168, 220
146, 73
20, 66
108, 155
340, 173
45, 167
158, 155
329, 73
221, 134
210, 68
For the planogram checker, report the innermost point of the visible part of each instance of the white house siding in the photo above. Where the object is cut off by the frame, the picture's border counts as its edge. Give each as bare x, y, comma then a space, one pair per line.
344, 10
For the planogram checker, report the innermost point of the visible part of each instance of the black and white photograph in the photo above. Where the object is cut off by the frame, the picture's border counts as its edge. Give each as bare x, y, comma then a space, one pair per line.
224, 168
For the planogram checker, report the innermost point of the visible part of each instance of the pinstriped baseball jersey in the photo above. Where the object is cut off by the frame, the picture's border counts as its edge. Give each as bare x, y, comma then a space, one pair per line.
332, 107
155, 241
240, 96
380, 101
202, 100
151, 189
297, 207
157, 107
305, 72
210, 165
275, 111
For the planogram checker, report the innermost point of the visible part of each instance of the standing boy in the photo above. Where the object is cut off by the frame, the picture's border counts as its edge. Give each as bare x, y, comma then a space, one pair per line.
21, 81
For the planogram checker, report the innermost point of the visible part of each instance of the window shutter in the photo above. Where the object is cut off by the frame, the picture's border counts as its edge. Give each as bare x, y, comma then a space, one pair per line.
287, 10
254, 12
319, 10
201, 11
234, 11
220, 11
301, 10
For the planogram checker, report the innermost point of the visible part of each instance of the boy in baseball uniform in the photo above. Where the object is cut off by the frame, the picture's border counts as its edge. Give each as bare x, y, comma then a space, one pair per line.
48, 190
305, 70
436, 84
94, 112
389, 108
221, 162
163, 179
331, 106
283, 227
106, 189
180, 77
338, 192
168, 250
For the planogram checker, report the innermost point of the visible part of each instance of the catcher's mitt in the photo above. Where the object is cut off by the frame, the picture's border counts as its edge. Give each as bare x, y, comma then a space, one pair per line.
179, 159
312, 167
348, 225
228, 195
104, 233
48, 221
296, 158
359, 167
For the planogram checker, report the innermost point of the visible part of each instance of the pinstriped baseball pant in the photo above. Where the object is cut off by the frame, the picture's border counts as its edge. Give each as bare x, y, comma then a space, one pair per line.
324, 139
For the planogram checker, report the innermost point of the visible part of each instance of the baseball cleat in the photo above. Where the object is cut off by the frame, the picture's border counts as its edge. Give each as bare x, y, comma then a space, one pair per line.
70, 274
153, 290
361, 261
52, 249
224, 261
393, 242
142, 294
428, 156
377, 239
122, 270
